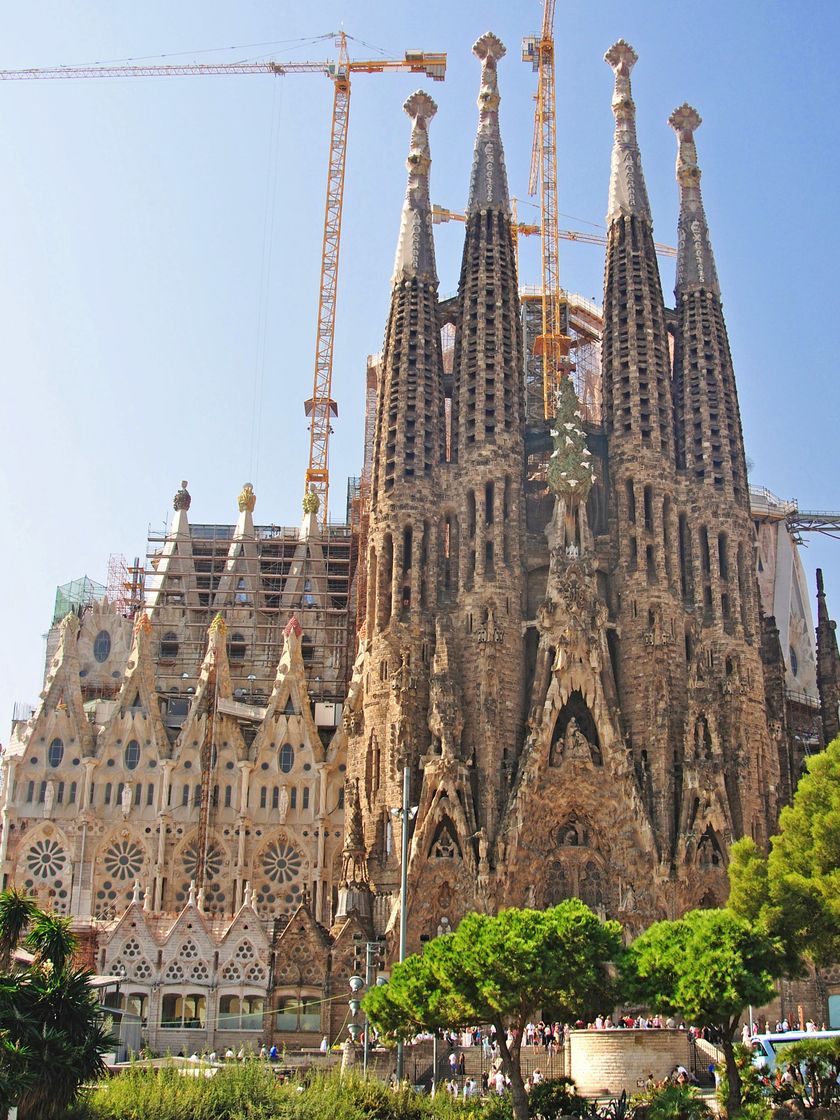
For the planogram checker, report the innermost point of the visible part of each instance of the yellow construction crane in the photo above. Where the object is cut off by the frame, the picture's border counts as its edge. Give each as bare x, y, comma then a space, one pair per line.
321, 407
553, 344
523, 229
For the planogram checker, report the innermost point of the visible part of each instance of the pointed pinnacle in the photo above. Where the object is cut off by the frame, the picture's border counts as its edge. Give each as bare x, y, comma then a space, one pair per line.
415, 247
488, 181
628, 193
695, 260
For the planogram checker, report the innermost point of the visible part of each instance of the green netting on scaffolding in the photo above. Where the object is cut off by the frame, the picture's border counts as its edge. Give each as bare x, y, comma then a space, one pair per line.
78, 593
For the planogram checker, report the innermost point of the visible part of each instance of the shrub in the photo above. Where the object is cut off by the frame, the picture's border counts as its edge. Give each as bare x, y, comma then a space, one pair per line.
671, 1102
755, 1087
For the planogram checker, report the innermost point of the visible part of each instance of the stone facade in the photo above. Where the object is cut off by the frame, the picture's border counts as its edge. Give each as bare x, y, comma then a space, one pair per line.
561, 639
185, 765
563, 634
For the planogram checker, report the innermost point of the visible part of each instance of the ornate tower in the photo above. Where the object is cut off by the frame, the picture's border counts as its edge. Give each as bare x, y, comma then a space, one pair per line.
483, 518
643, 599
389, 729
731, 772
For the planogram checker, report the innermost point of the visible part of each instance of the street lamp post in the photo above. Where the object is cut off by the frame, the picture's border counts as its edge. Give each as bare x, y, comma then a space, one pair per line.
354, 1003
406, 814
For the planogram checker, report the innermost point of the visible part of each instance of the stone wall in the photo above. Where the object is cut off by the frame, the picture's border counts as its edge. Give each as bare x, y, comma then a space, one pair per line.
603, 1063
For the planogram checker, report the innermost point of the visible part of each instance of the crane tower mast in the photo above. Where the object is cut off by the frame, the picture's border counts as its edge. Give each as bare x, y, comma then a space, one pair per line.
320, 408
553, 344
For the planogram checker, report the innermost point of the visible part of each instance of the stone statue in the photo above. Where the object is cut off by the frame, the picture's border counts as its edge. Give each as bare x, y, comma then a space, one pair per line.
283, 805
575, 743
125, 800
49, 798
443, 927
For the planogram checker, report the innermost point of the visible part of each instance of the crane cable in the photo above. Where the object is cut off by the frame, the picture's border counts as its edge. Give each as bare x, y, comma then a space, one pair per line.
267, 256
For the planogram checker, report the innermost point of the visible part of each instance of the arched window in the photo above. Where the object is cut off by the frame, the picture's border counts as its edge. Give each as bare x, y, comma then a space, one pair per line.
169, 646
236, 648
131, 755
55, 753
102, 646
287, 758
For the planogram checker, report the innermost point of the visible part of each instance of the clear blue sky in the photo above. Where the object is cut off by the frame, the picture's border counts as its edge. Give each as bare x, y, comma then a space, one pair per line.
160, 243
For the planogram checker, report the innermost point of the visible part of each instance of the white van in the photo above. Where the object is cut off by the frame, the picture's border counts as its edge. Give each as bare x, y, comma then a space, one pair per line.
765, 1046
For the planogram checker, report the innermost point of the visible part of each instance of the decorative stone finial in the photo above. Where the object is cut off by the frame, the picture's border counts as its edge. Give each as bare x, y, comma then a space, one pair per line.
191, 895
247, 498
292, 627
311, 502
218, 626
695, 260
415, 247
135, 894
182, 499
685, 121
628, 193
249, 894
142, 625
488, 181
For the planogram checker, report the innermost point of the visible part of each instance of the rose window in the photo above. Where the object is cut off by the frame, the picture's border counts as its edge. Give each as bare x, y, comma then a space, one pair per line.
212, 862
124, 860
282, 862
46, 859
214, 886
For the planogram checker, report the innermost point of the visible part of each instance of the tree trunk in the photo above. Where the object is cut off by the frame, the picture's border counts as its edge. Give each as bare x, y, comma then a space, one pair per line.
512, 1066
733, 1077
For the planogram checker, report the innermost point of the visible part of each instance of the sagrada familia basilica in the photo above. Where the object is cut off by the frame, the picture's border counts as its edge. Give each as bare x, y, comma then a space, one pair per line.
557, 627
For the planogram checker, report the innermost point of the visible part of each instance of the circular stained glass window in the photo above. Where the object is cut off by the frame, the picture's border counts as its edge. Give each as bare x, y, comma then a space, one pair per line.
46, 859
102, 646
124, 860
212, 862
282, 862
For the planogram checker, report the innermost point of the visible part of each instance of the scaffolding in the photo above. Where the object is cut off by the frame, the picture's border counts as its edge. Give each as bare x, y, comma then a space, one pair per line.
322, 608
125, 585
581, 321
76, 595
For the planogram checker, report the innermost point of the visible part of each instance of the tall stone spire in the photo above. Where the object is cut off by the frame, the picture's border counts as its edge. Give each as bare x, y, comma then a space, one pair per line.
415, 248
628, 193
828, 666
636, 360
695, 262
488, 345
408, 431
488, 181
709, 441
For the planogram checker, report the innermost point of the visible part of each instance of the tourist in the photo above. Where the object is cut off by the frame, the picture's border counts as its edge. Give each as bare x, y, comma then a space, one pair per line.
325, 1044
499, 1083
462, 1064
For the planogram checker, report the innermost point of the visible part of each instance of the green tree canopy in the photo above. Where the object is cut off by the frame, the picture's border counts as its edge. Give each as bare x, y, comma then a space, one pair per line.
708, 967
52, 1034
795, 891
502, 970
